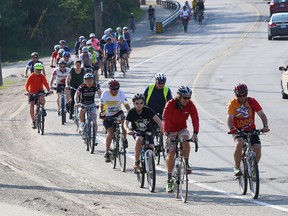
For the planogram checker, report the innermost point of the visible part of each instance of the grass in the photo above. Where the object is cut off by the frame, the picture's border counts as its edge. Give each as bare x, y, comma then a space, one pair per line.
7, 83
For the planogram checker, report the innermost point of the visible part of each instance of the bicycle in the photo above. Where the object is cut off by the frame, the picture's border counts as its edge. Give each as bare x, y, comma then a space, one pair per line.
132, 26
123, 64
89, 132
180, 174
200, 17
147, 162
185, 20
117, 151
112, 67
63, 109
40, 111
152, 23
249, 166
159, 148
76, 113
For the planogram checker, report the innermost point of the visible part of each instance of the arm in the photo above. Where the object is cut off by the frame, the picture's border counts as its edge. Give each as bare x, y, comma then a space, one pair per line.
127, 106
195, 119
52, 78
76, 97
167, 112
264, 120
126, 125
44, 72
159, 123
26, 70
67, 81
230, 121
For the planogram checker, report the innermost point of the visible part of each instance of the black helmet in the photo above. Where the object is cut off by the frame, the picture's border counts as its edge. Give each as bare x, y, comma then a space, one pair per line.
240, 89
184, 90
137, 97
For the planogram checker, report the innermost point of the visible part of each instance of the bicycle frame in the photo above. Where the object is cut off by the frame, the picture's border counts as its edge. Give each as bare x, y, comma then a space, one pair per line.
90, 144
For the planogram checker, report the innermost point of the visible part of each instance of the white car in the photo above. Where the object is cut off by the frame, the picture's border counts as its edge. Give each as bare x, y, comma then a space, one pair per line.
284, 82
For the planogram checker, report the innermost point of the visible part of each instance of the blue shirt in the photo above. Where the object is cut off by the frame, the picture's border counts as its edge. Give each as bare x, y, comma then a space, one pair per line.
109, 48
31, 63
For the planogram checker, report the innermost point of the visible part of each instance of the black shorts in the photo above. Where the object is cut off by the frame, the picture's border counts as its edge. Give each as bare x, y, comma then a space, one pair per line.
122, 53
255, 139
108, 121
60, 87
34, 98
148, 138
110, 56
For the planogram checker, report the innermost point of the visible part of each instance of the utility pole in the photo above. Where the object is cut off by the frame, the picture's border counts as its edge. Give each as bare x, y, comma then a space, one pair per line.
1, 79
98, 16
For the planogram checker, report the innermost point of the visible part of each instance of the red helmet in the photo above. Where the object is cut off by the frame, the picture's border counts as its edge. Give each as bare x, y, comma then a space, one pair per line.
113, 84
240, 89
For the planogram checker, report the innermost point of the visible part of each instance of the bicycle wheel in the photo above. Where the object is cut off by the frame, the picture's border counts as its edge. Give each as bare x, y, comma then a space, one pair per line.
105, 68
123, 66
114, 152
76, 117
176, 176
162, 147
150, 170
243, 179
122, 159
41, 119
156, 149
183, 184
63, 113
38, 120
254, 181
88, 136
93, 138
141, 175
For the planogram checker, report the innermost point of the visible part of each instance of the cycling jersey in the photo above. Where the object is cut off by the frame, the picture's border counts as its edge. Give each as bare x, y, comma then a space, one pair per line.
244, 114
85, 58
35, 83
95, 43
88, 94
141, 121
112, 104
151, 12
184, 13
157, 98
175, 117
94, 59
31, 63
109, 48
60, 76
122, 46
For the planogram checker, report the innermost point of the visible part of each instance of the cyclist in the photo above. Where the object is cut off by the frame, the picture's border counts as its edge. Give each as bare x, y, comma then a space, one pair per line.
74, 79
132, 22
119, 32
54, 55
127, 37
156, 96
60, 74
87, 91
86, 58
109, 52
111, 100
94, 41
77, 45
194, 5
241, 115
188, 6
94, 62
30, 64
141, 118
151, 12
185, 13
59, 56
62, 44
200, 5
34, 84
67, 59
175, 115
122, 49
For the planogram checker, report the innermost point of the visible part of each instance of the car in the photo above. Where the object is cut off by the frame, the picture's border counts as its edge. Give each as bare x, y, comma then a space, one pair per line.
278, 25
278, 6
284, 82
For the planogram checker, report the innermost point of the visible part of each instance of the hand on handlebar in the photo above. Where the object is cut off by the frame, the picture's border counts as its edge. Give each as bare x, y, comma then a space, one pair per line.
194, 137
265, 129
233, 131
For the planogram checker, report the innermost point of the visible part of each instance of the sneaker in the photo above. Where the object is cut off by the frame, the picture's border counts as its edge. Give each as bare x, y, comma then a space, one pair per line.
237, 171
170, 186
188, 169
107, 157
125, 143
81, 126
44, 112
33, 125
136, 166
96, 142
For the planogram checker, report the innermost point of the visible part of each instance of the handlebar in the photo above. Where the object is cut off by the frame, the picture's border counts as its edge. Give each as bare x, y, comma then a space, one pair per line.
187, 140
38, 94
246, 133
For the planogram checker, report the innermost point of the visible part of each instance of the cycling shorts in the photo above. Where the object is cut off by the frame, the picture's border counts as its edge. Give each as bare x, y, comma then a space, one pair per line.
32, 98
255, 139
171, 146
108, 121
110, 56
122, 53
59, 87
93, 106
149, 138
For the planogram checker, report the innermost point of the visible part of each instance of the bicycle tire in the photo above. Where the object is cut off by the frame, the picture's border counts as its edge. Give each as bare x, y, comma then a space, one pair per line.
114, 152
141, 175
183, 181
150, 170
243, 181
93, 138
122, 159
38, 120
254, 181
157, 153
88, 136
176, 175
123, 66
42, 117
63, 113
76, 118
105, 69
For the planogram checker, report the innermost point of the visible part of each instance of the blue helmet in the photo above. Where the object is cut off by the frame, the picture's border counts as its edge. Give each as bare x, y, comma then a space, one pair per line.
184, 90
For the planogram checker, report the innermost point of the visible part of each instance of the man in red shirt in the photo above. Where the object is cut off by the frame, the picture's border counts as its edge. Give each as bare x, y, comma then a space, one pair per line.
175, 115
34, 84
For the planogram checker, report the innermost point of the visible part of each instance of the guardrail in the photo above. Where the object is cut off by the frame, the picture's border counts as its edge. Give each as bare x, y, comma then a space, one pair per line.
162, 25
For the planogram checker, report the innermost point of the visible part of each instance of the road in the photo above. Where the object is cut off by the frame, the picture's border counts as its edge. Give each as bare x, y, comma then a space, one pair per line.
54, 175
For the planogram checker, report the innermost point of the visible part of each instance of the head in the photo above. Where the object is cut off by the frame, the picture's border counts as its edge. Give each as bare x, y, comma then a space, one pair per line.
241, 92
184, 94
66, 55
62, 43
89, 79
184, 7
131, 14
81, 38
62, 66
38, 67
34, 56
138, 101
89, 43
60, 52
84, 50
57, 47
109, 40
125, 29
92, 36
150, 6
121, 38
84, 41
90, 49
78, 64
119, 30
160, 80
114, 86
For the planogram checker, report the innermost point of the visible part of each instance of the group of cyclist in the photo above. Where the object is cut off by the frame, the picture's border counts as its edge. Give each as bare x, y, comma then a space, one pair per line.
197, 9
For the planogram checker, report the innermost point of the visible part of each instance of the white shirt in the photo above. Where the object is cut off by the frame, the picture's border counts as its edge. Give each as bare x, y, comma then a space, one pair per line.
112, 104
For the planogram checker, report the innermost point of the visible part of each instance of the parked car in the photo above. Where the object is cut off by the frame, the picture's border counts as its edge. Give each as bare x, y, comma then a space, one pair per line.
278, 25
278, 6
284, 82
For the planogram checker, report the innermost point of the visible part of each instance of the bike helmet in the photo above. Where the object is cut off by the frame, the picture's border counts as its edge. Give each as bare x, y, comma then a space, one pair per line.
240, 89
88, 76
92, 35
57, 47
81, 38
118, 29
125, 28
60, 52
138, 97
66, 54
120, 37
89, 43
109, 39
84, 41
184, 90
34, 54
113, 84
62, 63
84, 49
90, 49
62, 42
160, 77
38, 66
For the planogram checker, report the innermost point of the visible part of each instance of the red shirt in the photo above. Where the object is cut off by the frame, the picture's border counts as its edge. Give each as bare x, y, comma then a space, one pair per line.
35, 83
174, 118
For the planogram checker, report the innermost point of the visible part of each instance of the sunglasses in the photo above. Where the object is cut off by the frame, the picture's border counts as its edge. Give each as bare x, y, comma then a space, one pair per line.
240, 96
34, 57
186, 98
63, 67
113, 89
161, 83
139, 103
